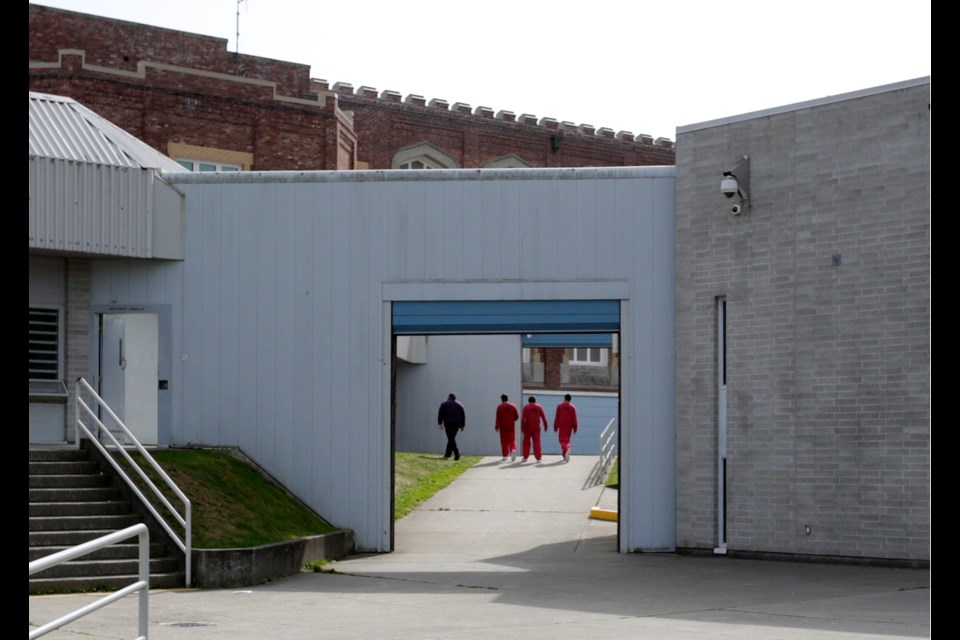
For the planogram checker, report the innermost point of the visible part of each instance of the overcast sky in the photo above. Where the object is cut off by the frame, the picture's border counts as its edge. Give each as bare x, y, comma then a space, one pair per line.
643, 67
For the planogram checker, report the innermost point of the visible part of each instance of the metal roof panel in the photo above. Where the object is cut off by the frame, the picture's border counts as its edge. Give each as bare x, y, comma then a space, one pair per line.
62, 128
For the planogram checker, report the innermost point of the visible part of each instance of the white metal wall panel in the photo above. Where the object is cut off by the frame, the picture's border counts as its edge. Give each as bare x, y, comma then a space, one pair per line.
88, 208
281, 342
48, 280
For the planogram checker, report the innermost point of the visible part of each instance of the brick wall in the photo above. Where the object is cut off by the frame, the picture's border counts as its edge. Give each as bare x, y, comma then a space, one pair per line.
387, 124
827, 281
167, 86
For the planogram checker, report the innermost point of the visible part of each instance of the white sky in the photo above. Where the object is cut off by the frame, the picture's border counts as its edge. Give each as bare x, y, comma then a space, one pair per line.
644, 67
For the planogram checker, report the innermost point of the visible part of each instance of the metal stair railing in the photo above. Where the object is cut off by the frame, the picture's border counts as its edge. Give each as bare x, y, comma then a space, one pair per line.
608, 443
99, 432
142, 585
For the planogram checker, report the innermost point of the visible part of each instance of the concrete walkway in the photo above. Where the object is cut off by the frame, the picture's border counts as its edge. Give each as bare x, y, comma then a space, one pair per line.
508, 551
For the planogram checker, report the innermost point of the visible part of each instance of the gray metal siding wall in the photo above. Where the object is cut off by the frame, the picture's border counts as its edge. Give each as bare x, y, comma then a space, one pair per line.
47, 280
90, 208
828, 365
280, 326
478, 369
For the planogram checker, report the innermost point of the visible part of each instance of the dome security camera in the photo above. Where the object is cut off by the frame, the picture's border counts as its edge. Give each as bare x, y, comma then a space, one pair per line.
729, 186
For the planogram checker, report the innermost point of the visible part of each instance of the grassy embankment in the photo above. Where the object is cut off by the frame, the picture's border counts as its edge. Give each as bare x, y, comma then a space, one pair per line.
235, 506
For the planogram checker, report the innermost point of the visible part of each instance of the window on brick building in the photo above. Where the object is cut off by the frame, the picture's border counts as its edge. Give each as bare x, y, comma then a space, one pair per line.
205, 165
422, 156
589, 356
420, 163
511, 161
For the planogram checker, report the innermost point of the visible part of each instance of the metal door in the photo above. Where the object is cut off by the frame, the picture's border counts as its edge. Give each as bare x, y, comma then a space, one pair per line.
129, 371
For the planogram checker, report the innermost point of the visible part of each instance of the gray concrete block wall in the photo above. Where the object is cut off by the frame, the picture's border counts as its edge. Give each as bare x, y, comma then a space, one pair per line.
827, 281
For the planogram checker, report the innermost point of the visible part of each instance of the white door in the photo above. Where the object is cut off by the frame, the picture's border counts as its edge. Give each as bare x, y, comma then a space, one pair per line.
129, 373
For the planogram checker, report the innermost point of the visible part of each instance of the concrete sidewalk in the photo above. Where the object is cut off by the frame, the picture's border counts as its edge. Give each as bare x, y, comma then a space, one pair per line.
508, 551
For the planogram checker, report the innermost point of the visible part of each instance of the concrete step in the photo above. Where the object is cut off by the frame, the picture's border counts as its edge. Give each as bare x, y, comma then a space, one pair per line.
66, 538
120, 551
104, 583
80, 494
73, 501
81, 523
59, 453
63, 467
68, 509
68, 481
98, 568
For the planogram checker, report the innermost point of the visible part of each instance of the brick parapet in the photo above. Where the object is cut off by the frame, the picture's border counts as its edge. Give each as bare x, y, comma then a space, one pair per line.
124, 47
526, 121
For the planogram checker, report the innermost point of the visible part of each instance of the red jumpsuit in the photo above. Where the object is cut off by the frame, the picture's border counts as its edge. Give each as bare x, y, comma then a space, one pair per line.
507, 417
565, 424
530, 426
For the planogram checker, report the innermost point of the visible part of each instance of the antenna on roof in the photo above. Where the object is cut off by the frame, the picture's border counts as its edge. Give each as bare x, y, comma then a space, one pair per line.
240, 70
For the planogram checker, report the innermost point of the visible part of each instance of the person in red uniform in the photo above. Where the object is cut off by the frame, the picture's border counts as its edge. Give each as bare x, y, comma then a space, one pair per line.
533, 415
565, 424
507, 417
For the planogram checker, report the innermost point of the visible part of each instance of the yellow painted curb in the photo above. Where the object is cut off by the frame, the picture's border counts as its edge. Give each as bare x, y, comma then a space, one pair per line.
603, 514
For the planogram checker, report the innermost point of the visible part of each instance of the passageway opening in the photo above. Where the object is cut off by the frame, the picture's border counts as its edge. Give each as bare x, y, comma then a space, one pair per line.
557, 324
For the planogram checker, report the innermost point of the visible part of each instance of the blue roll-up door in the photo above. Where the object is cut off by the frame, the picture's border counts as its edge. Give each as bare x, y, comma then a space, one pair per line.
505, 316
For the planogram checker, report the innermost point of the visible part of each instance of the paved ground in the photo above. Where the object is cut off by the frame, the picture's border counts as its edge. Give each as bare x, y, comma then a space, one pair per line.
509, 551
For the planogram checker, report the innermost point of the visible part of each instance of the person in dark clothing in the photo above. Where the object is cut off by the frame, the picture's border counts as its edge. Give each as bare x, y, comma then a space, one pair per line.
452, 418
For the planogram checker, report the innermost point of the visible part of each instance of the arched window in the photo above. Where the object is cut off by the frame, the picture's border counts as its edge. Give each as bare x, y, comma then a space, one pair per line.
510, 161
422, 156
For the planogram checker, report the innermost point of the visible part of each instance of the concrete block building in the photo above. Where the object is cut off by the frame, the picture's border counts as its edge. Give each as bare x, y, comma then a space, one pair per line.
803, 328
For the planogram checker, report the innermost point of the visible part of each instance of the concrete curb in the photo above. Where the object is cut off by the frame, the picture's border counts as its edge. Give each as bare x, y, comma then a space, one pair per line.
229, 568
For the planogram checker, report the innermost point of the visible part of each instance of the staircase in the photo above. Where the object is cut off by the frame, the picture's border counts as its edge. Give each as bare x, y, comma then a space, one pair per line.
72, 501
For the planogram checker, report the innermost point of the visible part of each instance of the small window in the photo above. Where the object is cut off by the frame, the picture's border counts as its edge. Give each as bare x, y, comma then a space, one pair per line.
45, 343
420, 163
199, 165
588, 356
510, 161
422, 156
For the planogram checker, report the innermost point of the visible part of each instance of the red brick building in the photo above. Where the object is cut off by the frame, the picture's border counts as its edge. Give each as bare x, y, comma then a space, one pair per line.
185, 95
189, 97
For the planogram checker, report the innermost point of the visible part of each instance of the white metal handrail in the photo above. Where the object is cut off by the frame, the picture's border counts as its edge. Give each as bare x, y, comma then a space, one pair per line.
186, 520
607, 446
142, 585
